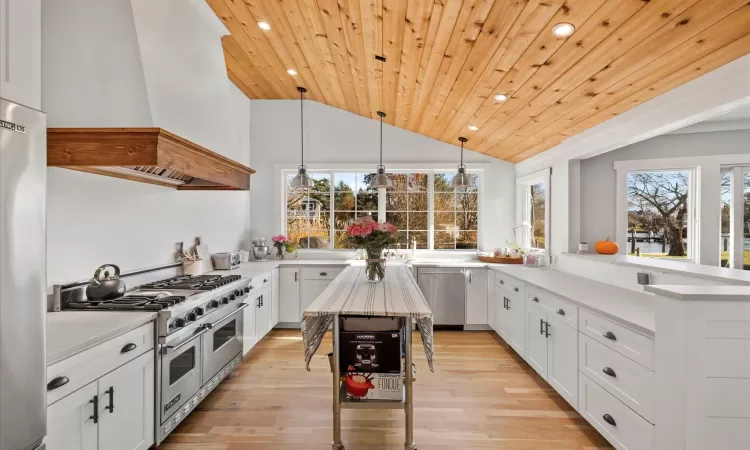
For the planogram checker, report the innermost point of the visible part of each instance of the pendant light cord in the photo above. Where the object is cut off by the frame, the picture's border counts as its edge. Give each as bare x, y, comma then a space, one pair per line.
302, 125
381, 141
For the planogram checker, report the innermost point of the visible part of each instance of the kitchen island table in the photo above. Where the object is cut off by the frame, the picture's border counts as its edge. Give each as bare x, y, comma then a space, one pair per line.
350, 294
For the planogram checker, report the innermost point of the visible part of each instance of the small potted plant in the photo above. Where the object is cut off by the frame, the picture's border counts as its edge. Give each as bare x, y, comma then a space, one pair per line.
373, 237
281, 242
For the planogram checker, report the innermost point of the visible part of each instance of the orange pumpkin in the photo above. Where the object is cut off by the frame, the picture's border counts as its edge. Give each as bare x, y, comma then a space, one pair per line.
607, 247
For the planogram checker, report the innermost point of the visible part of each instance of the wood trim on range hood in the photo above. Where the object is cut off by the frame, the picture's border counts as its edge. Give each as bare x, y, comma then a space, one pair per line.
148, 155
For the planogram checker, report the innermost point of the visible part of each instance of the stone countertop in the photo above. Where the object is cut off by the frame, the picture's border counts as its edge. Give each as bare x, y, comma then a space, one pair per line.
703, 293
632, 309
70, 332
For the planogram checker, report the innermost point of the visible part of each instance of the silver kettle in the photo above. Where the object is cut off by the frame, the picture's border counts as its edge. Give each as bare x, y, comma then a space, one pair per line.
106, 284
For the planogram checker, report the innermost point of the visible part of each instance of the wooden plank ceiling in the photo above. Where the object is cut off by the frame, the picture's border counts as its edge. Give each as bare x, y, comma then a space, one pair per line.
446, 60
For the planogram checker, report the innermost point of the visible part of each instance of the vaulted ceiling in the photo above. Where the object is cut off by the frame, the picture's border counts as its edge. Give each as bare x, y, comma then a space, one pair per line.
446, 60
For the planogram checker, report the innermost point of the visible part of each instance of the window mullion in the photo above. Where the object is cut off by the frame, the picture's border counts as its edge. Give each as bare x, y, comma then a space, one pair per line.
331, 214
736, 219
431, 211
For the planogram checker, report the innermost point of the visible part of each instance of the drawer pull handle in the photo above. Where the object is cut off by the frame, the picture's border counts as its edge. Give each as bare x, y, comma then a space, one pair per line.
515, 289
607, 418
536, 299
57, 382
541, 327
265, 280
561, 312
129, 347
546, 329
323, 274
610, 372
611, 336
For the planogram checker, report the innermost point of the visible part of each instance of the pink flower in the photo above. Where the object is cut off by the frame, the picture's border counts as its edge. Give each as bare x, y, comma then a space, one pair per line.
392, 228
367, 219
356, 230
366, 230
279, 238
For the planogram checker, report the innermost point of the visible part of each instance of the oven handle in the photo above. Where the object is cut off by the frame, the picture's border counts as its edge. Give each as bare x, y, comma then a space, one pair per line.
202, 330
239, 308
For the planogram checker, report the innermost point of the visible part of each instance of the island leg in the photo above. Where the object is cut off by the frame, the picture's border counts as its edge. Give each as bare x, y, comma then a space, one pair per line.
408, 405
337, 445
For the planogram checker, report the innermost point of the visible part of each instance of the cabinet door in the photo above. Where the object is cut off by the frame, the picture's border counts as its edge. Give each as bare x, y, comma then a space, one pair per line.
126, 406
21, 51
70, 422
516, 324
249, 330
476, 297
289, 293
491, 302
263, 313
562, 360
311, 289
536, 340
501, 316
274, 297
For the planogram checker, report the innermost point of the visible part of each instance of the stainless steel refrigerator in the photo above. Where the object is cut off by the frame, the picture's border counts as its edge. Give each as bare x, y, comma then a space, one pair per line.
23, 179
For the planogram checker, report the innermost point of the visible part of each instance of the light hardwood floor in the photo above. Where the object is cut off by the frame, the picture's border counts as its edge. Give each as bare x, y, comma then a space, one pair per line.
481, 396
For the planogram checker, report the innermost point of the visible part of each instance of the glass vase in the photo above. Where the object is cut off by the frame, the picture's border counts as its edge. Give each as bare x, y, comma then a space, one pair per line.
375, 270
279, 252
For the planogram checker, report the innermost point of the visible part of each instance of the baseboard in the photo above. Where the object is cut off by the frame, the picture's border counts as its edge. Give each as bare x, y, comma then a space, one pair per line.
477, 328
287, 325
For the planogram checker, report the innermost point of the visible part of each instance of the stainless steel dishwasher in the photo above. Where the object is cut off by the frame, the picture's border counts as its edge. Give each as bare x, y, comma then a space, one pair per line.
444, 288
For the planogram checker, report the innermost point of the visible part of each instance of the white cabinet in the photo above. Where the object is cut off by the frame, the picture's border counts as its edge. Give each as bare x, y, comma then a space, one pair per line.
289, 295
552, 350
126, 406
20, 51
263, 312
70, 421
477, 285
311, 289
509, 314
274, 297
249, 330
536, 340
116, 412
562, 360
491, 301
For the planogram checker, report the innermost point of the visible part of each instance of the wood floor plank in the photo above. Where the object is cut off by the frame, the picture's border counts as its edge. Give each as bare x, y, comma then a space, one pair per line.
482, 396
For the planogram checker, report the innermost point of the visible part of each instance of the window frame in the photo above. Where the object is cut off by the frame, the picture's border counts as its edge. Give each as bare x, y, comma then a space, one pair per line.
429, 168
737, 214
523, 208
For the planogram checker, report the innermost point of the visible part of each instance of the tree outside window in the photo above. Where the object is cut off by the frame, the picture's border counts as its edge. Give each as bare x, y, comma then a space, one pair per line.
537, 215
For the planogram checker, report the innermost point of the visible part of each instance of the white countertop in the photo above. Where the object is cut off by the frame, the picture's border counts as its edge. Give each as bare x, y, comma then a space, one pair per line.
630, 308
703, 293
70, 332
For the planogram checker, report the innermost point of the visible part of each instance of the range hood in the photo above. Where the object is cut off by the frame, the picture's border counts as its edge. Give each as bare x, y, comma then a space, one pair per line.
149, 155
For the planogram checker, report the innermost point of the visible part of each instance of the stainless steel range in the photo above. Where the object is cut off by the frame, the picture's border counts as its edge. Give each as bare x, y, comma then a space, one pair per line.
199, 330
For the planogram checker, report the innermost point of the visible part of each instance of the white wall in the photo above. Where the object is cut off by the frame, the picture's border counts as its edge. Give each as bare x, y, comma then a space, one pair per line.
598, 175
97, 73
334, 136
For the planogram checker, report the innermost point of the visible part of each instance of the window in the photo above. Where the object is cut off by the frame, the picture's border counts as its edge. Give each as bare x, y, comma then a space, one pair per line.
407, 208
533, 198
659, 214
422, 206
735, 218
456, 213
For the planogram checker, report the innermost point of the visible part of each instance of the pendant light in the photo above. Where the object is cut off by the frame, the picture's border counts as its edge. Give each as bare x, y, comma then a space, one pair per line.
381, 180
461, 179
301, 180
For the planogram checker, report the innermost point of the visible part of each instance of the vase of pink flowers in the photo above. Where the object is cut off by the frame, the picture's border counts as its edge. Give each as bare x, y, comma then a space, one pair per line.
373, 237
281, 243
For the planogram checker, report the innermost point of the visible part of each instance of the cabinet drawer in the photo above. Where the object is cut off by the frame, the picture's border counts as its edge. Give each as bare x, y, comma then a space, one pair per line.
630, 382
87, 366
634, 345
623, 428
259, 281
510, 284
561, 309
320, 273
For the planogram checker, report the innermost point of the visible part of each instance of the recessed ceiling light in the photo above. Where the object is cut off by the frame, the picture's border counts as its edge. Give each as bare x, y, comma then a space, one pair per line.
264, 26
473, 127
563, 29
291, 72
501, 97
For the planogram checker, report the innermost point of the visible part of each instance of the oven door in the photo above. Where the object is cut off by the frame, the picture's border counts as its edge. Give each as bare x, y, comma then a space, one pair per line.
222, 342
181, 371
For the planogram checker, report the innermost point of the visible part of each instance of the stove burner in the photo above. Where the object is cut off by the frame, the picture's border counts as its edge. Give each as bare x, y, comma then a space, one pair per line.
146, 302
195, 282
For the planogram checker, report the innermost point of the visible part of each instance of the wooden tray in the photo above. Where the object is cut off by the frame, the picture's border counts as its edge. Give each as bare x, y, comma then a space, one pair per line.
500, 259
